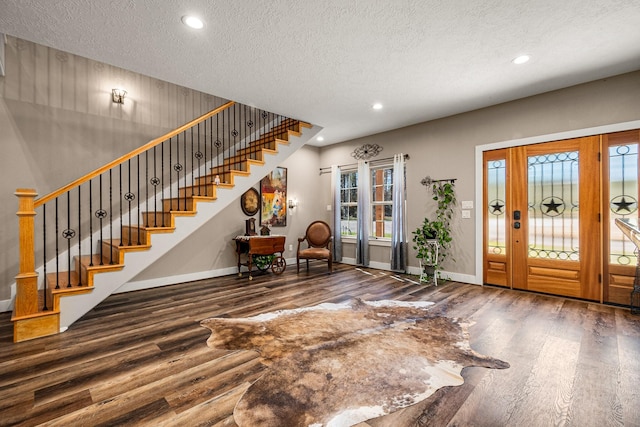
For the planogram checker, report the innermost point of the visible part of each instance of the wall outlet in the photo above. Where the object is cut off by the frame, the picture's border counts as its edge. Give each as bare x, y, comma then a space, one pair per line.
328, 207
466, 213
290, 247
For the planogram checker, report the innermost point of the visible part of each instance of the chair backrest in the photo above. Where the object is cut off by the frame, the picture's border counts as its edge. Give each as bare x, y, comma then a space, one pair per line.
318, 234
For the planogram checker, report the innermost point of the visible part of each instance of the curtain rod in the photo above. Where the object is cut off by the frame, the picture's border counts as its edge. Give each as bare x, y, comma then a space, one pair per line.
327, 169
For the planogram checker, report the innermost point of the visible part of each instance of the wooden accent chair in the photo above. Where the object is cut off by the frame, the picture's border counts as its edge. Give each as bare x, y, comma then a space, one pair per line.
319, 240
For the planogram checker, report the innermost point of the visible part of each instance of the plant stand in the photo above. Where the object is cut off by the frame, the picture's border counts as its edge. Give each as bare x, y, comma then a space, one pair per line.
428, 264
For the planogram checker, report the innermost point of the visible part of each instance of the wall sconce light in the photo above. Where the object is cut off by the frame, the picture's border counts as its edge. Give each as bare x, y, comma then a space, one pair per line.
118, 95
293, 203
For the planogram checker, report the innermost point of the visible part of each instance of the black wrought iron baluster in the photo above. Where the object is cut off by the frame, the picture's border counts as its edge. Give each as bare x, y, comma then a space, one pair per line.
120, 203
170, 178
79, 233
217, 143
229, 150
243, 137
101, 214
90, 223
207, 171
129, 197
263, 127
220, 130
138, 222
146, 189
68, 234
44, 254
198, 155
110, 216
193, 166
162, 178
57, 248
184, 168
155, 182
256, 129
177, 167
234, 133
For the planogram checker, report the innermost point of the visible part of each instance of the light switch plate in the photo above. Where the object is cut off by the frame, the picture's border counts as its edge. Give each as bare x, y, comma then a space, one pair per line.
466, 213
328, 207
467, 204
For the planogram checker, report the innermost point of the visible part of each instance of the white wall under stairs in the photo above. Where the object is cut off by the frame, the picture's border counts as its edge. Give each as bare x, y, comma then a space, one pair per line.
74, 307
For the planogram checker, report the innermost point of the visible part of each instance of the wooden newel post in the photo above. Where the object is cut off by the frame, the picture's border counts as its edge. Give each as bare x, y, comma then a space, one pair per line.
27, 278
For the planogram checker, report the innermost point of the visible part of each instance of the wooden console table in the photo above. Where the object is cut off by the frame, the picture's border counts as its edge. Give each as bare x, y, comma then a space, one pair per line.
260, 245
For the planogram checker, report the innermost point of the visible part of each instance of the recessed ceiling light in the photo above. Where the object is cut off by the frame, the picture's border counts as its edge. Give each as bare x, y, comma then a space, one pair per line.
320, 138
377, 106
521, 59
193, 22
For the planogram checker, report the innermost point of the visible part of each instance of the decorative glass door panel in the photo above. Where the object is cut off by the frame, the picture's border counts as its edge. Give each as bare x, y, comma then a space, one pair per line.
496, 193
620, 200
496, 227
623, 201
554, 206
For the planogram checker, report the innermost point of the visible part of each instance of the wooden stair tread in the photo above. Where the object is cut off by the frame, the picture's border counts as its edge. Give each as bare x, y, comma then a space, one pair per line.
86, 260
183, 213
160, 229
39, 313
63, 278
134, 247
63, 284
152, 229
188, 198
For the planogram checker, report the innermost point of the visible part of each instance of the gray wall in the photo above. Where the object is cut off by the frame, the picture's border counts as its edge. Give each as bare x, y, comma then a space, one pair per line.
445, 148
57, 123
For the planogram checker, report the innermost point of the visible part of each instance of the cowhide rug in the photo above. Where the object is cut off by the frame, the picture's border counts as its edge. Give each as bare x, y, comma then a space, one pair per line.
341, 364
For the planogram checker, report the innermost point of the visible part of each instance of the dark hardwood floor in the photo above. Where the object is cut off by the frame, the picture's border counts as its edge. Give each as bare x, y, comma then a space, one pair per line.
141, 358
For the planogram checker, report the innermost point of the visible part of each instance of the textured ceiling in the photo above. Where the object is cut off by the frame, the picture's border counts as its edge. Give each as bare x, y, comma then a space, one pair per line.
328, 61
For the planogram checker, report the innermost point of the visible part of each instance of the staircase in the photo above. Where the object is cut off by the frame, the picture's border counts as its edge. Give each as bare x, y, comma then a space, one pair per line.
116, 221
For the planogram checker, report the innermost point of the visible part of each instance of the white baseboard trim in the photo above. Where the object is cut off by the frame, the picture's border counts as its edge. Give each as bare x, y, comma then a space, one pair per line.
174, 280
449, 275
183, 278
446, 275
6, 305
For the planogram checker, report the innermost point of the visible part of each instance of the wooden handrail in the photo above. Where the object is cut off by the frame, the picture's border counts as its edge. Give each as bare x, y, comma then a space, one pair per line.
630, 231
42, 200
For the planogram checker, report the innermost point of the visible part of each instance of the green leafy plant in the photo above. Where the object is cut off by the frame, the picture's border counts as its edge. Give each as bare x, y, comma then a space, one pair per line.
438, 229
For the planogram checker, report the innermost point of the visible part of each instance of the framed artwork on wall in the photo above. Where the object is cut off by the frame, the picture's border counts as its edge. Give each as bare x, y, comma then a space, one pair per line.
273, 193
250, 202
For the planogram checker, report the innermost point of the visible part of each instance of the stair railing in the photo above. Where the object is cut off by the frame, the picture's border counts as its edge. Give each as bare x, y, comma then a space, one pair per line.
108, 203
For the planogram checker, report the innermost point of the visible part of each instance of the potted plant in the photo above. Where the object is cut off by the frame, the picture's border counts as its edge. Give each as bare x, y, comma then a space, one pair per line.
437, 230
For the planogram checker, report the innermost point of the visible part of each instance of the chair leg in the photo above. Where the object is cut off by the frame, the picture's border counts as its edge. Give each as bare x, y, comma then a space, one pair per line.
307, 264
297, 265
330, 265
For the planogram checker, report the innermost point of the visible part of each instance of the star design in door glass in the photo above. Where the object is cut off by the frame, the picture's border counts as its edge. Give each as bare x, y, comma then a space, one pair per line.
552, 206
496, 207
624, 205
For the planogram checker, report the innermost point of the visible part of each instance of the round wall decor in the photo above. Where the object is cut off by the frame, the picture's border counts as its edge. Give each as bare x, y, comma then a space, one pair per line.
250, 202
